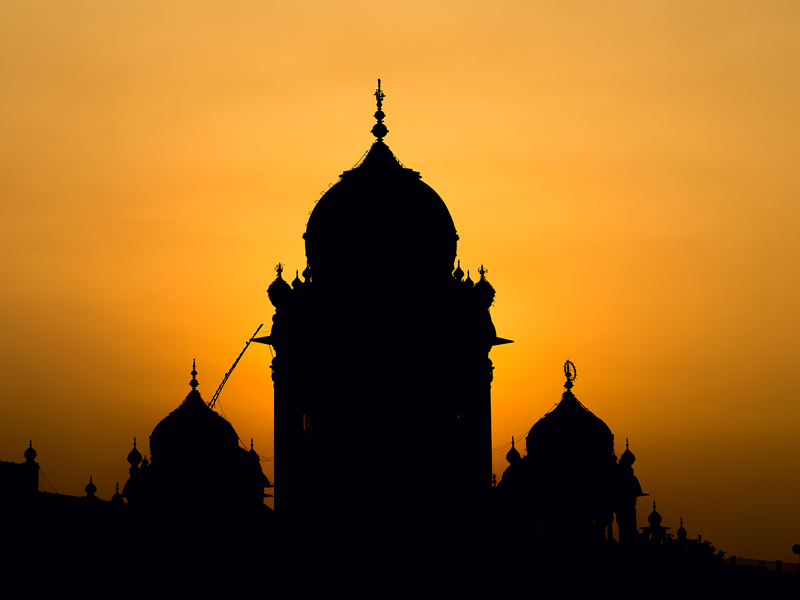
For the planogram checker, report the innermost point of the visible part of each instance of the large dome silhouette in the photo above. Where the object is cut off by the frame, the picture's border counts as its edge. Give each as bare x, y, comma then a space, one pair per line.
380, 214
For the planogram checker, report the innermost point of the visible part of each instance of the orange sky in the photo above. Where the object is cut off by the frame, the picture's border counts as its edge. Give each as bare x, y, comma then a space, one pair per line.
625, 170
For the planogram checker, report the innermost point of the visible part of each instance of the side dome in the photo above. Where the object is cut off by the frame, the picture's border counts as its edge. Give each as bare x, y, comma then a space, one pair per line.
380, 213
571, 432
192, 431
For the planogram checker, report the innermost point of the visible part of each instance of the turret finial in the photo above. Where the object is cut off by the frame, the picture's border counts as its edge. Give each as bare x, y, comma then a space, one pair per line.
279, 269
251, 443
571, 373
627, 447
193, 382
379, 129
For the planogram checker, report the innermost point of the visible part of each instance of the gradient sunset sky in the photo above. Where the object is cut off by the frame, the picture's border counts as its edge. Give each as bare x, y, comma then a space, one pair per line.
627, 171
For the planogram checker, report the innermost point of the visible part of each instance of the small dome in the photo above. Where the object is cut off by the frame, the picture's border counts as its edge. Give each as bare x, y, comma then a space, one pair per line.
145, 462
483, 290
468, 283
681, 531
117, 497
654, 518
30, 453
278, 290
296, 282
90, 489
627, 458
458, 274
134, 456
513, 454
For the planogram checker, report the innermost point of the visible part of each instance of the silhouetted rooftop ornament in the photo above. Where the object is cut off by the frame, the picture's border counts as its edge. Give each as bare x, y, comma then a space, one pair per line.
484, 290
654, 519
134, 456
379, 129
458, 274
468, 281
627, 458
193, 382
296, 283
90, 489
278, 290
30, 453
513, 454
307, 274
571, 374
117, 497
681, 531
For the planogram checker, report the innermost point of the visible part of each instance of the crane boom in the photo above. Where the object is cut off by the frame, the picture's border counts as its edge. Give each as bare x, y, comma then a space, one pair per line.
228, 374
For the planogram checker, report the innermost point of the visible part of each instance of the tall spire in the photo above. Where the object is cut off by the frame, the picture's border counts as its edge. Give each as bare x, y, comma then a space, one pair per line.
379, 129
193, 382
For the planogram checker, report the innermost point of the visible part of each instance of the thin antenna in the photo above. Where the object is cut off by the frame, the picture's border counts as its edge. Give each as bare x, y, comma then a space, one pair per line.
236, 362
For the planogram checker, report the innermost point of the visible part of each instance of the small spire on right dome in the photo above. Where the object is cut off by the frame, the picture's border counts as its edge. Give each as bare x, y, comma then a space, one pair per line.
379, 129
571, 374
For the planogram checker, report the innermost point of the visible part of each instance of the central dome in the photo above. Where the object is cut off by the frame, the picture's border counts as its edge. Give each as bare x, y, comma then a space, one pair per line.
379, 214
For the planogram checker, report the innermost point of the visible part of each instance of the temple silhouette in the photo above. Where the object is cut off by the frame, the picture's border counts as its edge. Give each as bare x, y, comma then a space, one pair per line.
375, 379
358, 354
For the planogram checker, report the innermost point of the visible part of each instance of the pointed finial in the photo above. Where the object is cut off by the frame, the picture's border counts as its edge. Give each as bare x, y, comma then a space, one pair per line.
627, 447
571, 373
654, 504
681, 521
279, 269
379, 129
483, 272
251, 443
193, 382
118, 487
134, 441
512, 441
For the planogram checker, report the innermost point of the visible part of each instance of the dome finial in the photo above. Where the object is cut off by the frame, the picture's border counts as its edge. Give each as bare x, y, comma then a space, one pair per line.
571, 373
379, 129
627, 447
193, 382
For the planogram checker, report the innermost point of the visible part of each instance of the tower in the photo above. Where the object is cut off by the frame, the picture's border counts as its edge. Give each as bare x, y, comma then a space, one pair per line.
381, 358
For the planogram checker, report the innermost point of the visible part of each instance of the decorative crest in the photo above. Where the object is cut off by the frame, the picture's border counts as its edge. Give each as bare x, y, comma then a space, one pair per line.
379, 129
193, 382
571, 373
279, 269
